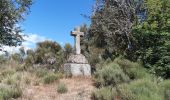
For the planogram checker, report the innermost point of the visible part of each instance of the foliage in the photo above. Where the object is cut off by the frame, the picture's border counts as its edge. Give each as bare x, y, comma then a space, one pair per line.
136, 86
105, 93
7, 72
12, 12
22, 54
2, 59
152, 38
7, 93
135, 29
16, 57
139, 86
62, 88
41, 72
111, 26
142, 89
30, 59
48, 54
50, 78
67, 50
165, 89
110, 75
132, 69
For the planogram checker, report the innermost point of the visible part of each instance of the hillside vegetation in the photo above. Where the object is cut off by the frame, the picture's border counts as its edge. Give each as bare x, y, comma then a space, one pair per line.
127, 45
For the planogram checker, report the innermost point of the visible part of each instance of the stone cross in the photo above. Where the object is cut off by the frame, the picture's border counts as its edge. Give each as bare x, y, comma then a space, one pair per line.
77, 34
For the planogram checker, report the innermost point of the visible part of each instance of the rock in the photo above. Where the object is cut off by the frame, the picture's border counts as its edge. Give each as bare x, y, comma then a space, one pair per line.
74, 69
77, 58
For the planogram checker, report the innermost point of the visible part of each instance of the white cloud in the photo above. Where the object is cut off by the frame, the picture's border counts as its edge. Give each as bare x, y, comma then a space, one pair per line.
34, 38
29, 43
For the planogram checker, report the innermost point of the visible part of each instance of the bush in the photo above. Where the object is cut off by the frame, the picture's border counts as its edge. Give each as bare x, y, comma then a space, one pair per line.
7, 72
9, 80
124, 92
145, 89
27, 80
20, 68
50, 78
7, 93
133, 70
110, 75
104, 93
41, 72
62, 88
142, 89
165, 89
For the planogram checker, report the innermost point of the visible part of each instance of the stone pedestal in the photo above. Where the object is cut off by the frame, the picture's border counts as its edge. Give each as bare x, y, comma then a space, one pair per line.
77, 65
77, 69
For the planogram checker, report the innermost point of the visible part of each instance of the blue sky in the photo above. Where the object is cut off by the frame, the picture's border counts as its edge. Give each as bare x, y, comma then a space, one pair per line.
54, 19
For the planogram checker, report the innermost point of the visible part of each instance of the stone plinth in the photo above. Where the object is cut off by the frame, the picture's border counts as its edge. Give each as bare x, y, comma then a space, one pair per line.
77, 69
77, 65
78, 58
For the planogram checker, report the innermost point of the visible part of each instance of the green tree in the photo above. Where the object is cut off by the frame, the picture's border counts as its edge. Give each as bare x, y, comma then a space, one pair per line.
30, 58
48, 54
152, 37
110, 28
11, 13
67, 50
22, 53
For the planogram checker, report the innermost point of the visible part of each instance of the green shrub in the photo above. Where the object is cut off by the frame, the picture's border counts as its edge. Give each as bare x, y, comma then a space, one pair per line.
20, 68
110, 75
27, 80
50, 78
124, 92
1, 78
145, 89
165, 89
7, 93
7, 72
36, 83
133, 70
62, 88
104, 93
9, 80
41, 72
142, 89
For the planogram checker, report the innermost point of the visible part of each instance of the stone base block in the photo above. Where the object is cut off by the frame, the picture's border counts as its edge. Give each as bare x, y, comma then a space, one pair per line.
77, 69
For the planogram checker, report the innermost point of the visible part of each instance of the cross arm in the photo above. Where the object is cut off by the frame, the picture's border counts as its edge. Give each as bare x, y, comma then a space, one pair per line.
75, 33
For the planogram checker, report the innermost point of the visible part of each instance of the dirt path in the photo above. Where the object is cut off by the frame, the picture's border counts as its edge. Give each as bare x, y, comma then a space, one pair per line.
78, 89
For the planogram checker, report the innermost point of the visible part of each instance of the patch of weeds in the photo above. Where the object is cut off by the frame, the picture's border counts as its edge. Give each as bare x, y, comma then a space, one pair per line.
27, 80
7, 72
41, 72
62, 88
50, 78
20, 68
36, 83
9, 80
7, 93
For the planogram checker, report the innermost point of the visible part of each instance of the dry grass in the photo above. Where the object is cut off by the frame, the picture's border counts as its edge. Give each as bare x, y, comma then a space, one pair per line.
33, 87
78, 89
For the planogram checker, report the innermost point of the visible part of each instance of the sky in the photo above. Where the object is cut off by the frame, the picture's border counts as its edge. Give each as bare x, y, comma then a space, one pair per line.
53, 20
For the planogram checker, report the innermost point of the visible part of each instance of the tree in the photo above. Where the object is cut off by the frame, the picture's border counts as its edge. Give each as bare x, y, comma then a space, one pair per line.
48, 54
11, 13
67, 50
152, 36
22, 53
109, 33
111, 25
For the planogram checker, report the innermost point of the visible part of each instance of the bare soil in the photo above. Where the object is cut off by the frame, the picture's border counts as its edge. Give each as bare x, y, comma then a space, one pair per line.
78, 89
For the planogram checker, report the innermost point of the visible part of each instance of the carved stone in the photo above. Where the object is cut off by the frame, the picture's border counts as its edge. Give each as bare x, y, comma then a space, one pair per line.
78, 58
77, 64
